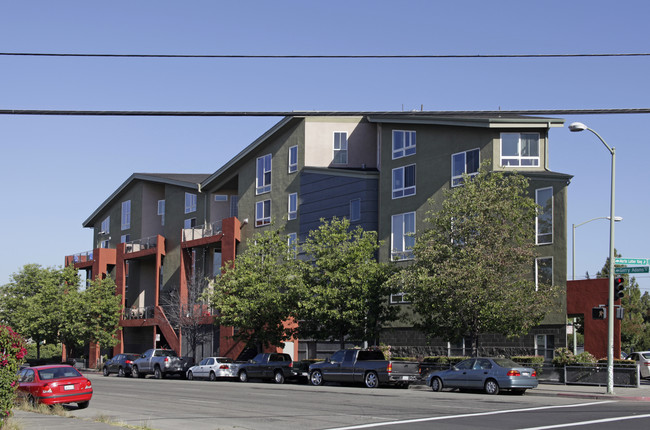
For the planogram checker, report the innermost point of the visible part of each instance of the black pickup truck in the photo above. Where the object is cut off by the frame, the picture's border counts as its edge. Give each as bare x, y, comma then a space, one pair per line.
271, 365
367, 367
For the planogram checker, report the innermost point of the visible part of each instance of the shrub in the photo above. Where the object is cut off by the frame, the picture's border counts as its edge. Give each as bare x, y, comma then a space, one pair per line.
528, 359
12, 355
443, 359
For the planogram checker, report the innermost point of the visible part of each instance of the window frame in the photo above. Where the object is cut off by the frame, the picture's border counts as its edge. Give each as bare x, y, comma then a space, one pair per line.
406, 149
105, 226
293, 159
542, 212
404, 191
355, 210
538, 266
263, 168
457, 180
292, 244
340, 150
519, 160
190, 202
192, 223
161, 211
292, 212
125, 220
262, 219
399, 299
404, 252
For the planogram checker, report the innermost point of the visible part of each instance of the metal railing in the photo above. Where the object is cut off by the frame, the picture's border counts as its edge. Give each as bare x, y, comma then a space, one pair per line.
201, 231
138, 313
82, 257
142, 244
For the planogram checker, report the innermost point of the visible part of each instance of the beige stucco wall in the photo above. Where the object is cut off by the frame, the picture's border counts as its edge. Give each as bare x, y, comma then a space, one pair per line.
319, 142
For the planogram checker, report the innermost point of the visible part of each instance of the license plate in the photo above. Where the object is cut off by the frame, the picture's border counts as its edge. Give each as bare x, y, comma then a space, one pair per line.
68, 387
525, 373
405, 378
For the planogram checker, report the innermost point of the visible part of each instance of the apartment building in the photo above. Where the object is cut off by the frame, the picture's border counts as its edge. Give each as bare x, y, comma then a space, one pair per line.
377, 170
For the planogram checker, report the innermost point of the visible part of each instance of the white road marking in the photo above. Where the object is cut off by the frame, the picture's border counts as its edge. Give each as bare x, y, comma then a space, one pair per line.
586, 423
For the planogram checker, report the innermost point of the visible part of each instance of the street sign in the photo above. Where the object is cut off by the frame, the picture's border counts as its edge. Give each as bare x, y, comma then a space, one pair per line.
633, 261
622, 270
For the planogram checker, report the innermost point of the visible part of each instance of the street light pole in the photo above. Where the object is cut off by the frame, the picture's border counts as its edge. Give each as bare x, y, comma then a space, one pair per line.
573, 241
577, 126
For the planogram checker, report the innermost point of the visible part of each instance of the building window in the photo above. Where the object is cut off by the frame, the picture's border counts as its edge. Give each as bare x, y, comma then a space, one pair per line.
125, 238
402, 236
293, 159
544, 346
161, 211
293, 206
340, 147
190, 203
189, 223
355, 210
520, 149
404, 181
106, 226
400, 298
464, 162
263, 174
292, 243
403, 143
544, 220
220, 197
126, 215
103, 244
543, 272
233, 206
262, 213
216, 264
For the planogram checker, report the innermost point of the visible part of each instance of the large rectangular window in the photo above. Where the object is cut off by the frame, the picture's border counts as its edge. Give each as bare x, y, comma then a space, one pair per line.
543, 272
545, 346
190, 203
402, 236
293, 206
263, 174
544, 220
520, 149
262, 213
404, 181
340, 147
403, 143
126, 215
106, 226
464, 162
293, 159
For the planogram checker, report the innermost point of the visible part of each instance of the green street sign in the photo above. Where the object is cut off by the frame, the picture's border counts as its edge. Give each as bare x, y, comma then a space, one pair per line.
623, 270
633, 261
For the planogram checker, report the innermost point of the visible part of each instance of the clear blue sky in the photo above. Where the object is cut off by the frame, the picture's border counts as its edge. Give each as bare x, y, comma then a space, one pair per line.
55, 171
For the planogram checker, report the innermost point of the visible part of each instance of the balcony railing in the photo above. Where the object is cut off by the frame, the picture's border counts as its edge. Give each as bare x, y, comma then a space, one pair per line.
202, 231
138, 313
142, 244
82, 257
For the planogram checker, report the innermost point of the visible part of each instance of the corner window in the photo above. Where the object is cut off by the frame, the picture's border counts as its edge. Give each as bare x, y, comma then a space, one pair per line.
355, 210
126, 215
293, 159
263, 213
106, 226
464, 162
544, 219
190, 203
402, 237
263, 174
293, 206
520, 149
404, 181
543, 272
403, 143
340, 147
161, 211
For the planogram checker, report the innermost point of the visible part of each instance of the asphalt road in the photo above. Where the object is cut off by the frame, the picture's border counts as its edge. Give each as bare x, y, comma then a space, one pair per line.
179, 404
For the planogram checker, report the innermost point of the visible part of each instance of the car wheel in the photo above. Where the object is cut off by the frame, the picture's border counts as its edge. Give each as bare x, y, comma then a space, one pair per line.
83, 405
105, 371
120, 372
436, 384
157, 373
243, 376
212, 377
190, 375
136, 373
371, 380
316, 378
491, 386
31, 401
278, 377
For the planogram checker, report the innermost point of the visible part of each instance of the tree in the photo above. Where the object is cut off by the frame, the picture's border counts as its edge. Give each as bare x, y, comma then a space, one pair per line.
255, 294
345, 295
473, 268
189, 315
12, 355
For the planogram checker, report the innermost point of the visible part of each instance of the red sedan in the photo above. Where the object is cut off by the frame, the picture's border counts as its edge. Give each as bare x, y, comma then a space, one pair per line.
52, 384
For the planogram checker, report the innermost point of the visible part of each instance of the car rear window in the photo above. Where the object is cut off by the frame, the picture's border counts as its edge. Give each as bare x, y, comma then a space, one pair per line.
504, 362
370, 355
646, 355
58, 372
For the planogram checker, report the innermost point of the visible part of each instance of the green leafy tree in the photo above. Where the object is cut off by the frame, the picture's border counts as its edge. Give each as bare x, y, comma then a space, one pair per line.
345, 294
256, 295
473, 268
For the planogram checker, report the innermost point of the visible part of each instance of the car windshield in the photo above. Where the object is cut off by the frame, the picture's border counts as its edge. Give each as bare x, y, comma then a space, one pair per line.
504, 362
58, 372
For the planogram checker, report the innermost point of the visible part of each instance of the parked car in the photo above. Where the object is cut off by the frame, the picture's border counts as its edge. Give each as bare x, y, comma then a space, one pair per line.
214, 367
489, 374
120, 364
160, 363
276, 366
359, 366
642, 358
54, 384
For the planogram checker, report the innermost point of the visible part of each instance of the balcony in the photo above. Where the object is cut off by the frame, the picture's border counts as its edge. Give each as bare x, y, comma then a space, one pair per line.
141, 244
83, 257
138, 313
202, 231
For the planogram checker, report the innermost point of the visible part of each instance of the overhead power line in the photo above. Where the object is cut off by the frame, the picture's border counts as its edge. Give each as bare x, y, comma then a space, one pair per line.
264, 56
321, 113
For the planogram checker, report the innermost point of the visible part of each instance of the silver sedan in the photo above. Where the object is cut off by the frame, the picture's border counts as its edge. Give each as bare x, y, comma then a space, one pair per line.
489, 374
212, 368
643, 360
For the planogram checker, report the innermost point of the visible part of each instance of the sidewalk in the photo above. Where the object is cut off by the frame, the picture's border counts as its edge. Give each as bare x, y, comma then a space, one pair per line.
36, 421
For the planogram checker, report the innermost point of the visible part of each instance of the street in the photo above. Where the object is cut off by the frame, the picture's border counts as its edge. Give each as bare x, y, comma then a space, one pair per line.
173, 403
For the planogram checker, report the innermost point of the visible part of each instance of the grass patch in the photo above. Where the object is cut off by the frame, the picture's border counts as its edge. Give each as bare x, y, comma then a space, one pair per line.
108, 420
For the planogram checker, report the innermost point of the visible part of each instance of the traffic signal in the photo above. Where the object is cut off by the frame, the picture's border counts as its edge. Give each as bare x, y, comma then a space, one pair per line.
619, 285
598, 313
